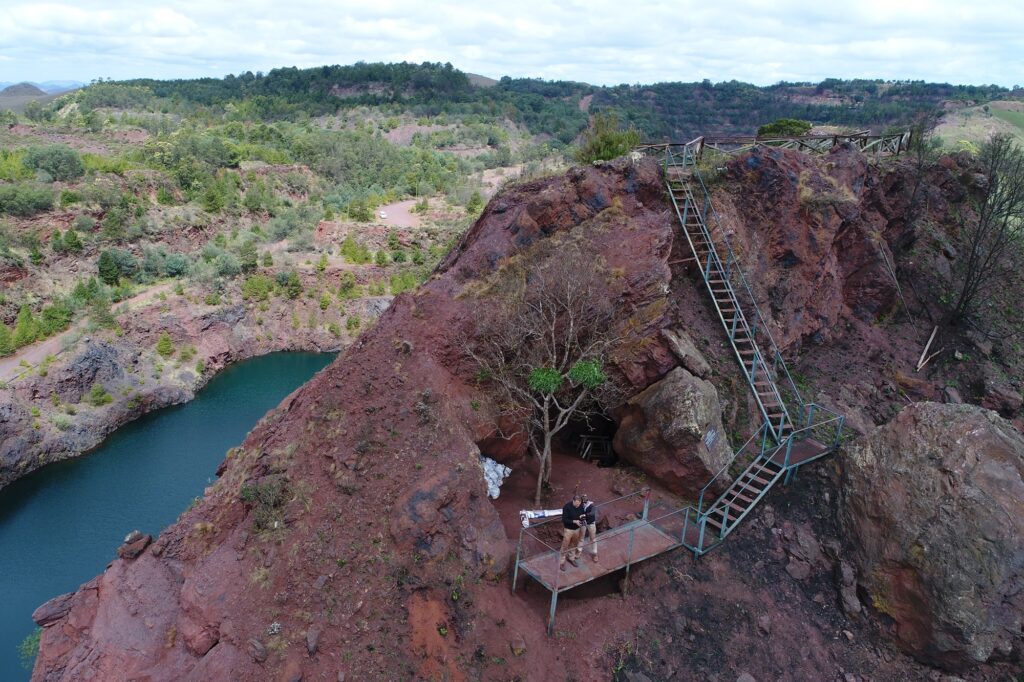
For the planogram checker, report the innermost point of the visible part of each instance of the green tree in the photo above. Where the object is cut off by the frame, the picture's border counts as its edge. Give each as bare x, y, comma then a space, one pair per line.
347, 285
381, 258
58, 161
248, 257
784, 127
26, 329
108, 268
542, 346
6, 340
475, 203
604, 140
293, 285
71, 241
321, 264
164, 345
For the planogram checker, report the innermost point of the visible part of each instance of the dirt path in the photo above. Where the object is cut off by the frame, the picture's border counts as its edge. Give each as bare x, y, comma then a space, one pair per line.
11, 368
399, 214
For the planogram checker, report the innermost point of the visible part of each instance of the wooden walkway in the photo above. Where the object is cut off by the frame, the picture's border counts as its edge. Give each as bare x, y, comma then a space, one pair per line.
614, 551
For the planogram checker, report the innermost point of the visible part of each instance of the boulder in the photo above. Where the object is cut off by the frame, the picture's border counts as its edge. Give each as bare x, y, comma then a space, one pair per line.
682, 346
932, 504
673, 431
53, 610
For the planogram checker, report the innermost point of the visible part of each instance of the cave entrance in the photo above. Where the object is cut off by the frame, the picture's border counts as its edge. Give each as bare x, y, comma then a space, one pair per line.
598, 475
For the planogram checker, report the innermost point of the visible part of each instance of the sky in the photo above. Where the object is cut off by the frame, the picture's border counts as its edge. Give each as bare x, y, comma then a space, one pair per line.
597, 41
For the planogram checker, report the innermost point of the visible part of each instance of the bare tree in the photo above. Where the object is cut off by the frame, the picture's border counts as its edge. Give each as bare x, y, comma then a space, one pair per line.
990, 237
542, 347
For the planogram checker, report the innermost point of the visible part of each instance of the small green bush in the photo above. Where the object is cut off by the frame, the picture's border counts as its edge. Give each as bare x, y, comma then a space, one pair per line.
257, 288
25, 200
164, 346
98, 396
784, 127
58, 161
603, 140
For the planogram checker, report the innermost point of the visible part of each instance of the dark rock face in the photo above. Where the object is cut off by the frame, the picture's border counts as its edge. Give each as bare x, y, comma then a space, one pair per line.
811, 238
933, 505
673, 431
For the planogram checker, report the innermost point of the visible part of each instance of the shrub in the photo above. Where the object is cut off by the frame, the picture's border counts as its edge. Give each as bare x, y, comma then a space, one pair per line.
227, 265
248, 257
164, 196
164, 346
212, 298
268, 260
177, 265
292, 285
58, 161
25, 200
6, 340
98, 396
476, 202
116, 263
352, 323
26, 328
325, 301
334, 328
321, 264
55, 318
347, 287
29, 648
200, 366
784, 127
354, 252
72, 243
603, 140
84, 223
68, 197
381, 258
401, 282
257, 288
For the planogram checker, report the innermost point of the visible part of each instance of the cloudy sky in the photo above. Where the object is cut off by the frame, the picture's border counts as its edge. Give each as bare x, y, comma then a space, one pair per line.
597, 41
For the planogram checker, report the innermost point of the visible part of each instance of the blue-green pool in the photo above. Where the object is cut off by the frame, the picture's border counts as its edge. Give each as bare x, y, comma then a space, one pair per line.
61, 525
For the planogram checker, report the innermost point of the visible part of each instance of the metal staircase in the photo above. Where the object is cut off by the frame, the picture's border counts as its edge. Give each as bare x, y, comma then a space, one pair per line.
793, 432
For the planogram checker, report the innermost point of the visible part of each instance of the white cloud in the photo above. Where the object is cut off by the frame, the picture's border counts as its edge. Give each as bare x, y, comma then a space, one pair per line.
599, 41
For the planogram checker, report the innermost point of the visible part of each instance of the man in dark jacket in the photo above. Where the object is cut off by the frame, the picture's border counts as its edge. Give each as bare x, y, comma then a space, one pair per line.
589, 526
572, 529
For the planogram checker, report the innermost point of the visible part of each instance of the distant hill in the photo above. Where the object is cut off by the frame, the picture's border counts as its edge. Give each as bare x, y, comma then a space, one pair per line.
22, 90
481, 81
974, 125
55, 87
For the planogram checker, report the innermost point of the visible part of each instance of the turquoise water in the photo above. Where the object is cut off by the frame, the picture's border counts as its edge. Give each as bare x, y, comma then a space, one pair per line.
61, 525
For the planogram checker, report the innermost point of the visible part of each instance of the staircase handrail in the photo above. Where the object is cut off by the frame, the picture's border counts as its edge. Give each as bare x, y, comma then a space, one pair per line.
713, 259
777, 358
761, 431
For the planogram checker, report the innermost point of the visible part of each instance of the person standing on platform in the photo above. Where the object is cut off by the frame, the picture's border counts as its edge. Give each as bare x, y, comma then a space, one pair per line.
589, 526
572, 530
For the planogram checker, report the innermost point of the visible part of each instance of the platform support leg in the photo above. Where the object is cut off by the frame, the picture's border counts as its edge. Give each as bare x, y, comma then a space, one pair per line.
551, 617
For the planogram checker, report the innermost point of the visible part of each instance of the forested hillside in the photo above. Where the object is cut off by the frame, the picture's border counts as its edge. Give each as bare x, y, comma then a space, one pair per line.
556, 109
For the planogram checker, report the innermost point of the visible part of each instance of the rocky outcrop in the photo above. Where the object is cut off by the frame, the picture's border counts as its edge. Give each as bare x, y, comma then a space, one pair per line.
48, 416
673, 431
933, 508
369, 475
811, 235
